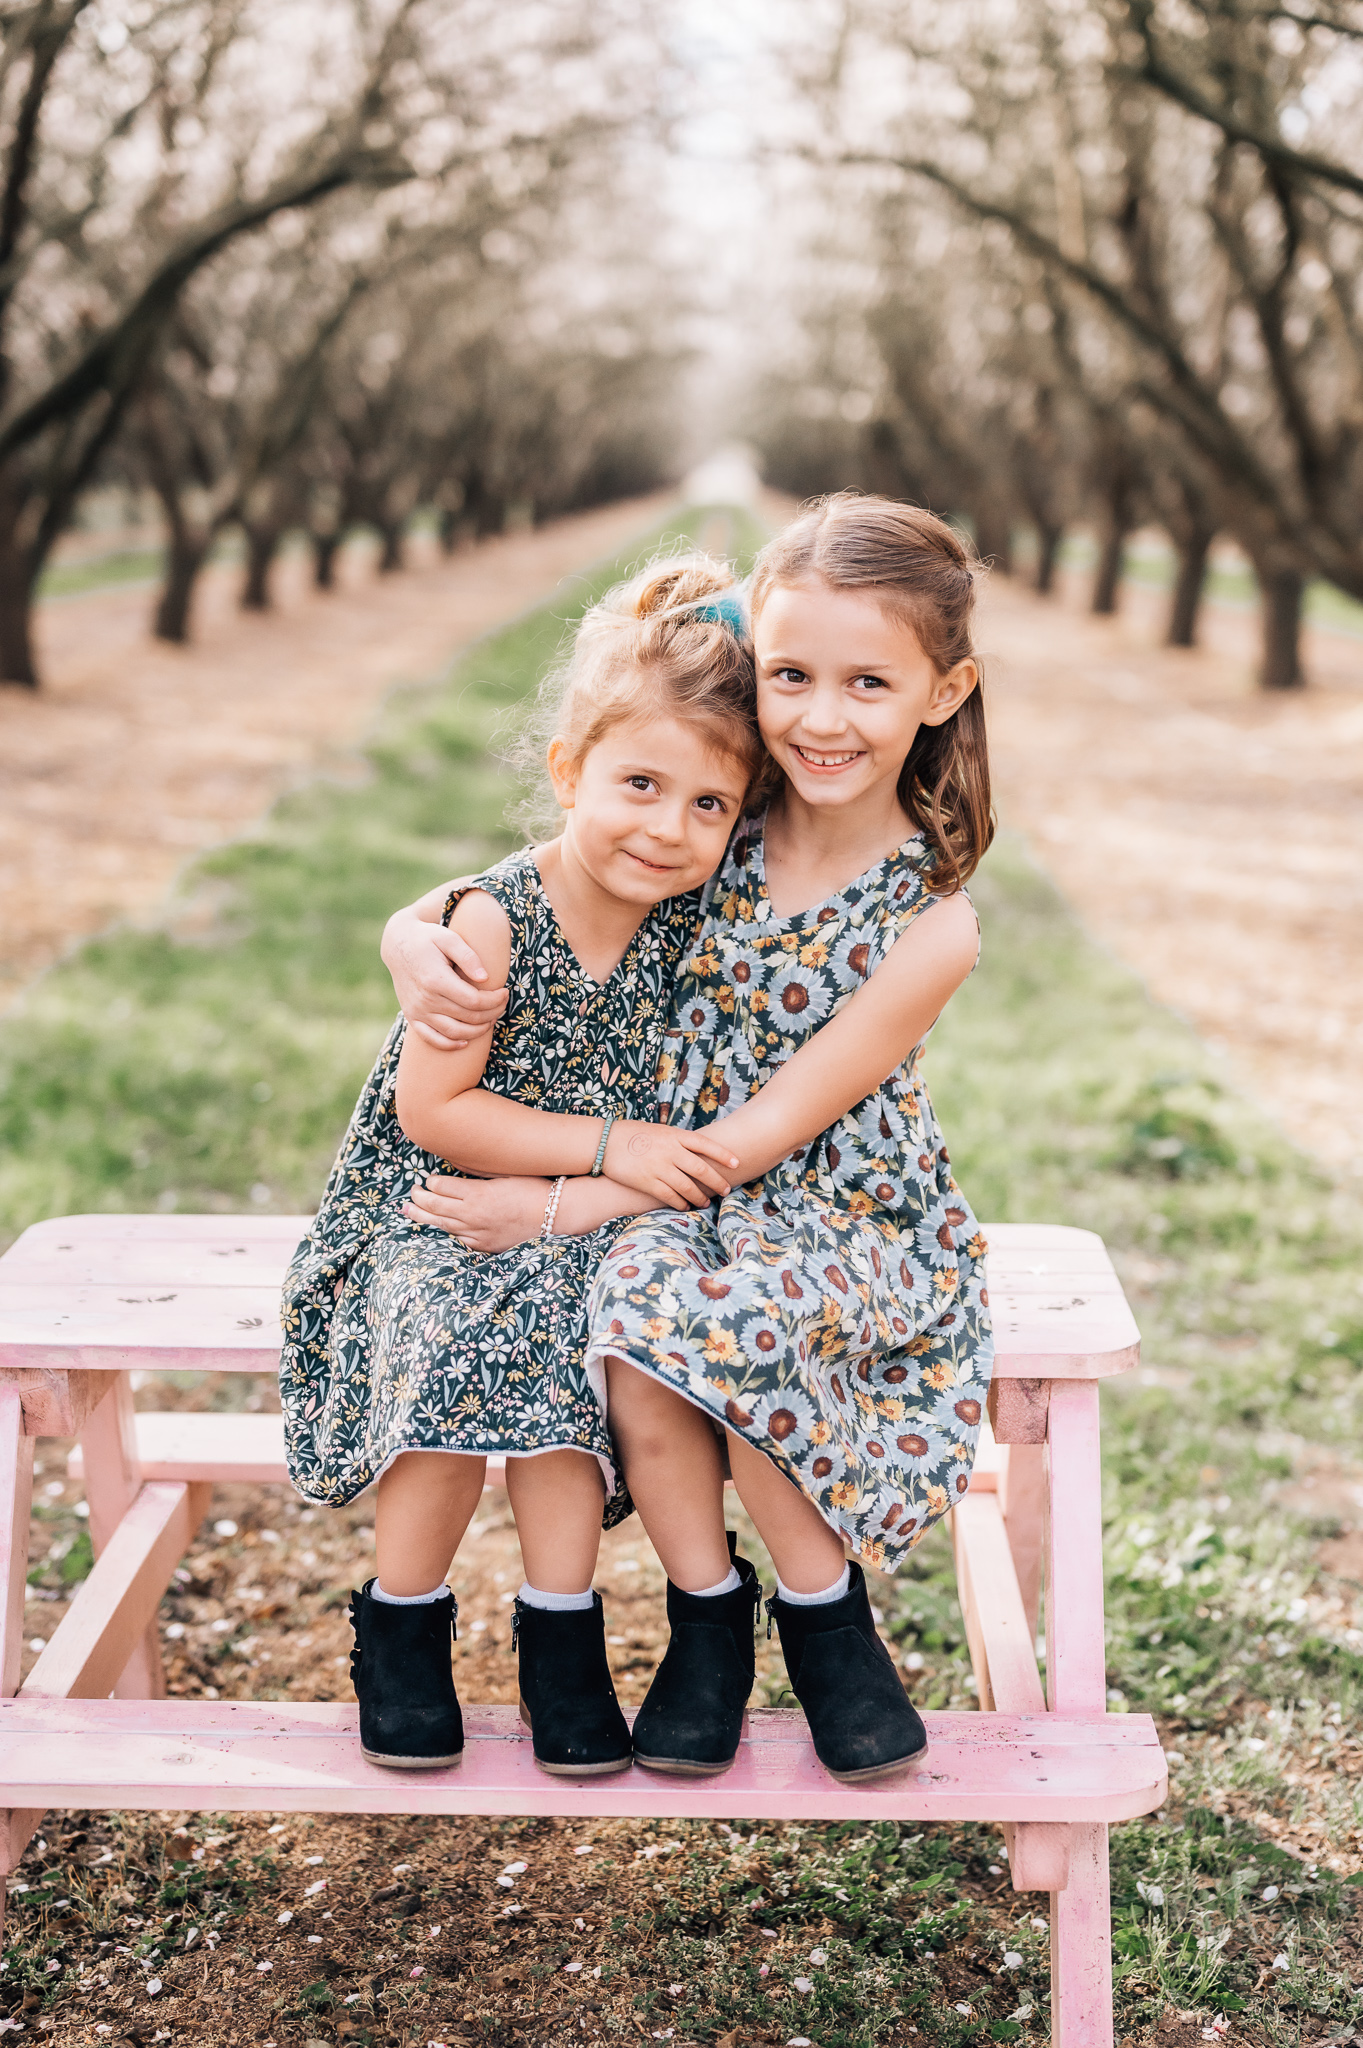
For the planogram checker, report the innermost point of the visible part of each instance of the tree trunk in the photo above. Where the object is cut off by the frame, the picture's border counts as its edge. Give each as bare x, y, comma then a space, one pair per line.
17, 577
184, 558
1048, 542
994, 540
391, 557
448, 529
262, 545
1108, 581
1187, 598
324, 551
1283, 590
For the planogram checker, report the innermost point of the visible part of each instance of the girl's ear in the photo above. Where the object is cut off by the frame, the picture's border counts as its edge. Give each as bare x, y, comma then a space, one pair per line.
950, 691
563, 772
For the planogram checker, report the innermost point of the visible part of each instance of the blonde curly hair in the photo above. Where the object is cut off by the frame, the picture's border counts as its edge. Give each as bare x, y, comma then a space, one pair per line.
664, 644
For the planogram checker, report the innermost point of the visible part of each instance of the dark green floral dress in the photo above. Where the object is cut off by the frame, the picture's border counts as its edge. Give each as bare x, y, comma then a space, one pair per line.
834, 1313
396, 1338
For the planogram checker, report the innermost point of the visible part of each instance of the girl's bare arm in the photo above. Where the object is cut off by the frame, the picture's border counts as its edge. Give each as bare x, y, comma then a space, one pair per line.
442, 1108
440, 980
857, 1050
842, 1064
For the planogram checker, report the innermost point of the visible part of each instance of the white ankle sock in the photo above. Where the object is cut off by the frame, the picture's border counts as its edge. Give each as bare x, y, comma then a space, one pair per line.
440, 1592
556, 1603
730, 1584
835, 1592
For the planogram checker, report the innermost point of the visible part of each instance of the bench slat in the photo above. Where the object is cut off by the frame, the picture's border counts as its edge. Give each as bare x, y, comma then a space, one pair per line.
248, 1450
242, 1756
202, 1293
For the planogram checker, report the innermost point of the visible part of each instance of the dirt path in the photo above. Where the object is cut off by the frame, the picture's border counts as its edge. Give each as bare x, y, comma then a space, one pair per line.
1209, 834
136, 755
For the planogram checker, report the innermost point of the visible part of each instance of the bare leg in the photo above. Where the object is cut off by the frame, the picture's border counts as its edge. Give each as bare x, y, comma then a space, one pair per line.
556, 1499
672, 1463
426, 1501
808, 1555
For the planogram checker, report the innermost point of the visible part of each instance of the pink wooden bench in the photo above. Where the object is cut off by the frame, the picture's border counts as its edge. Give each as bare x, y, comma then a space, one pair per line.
84, 1300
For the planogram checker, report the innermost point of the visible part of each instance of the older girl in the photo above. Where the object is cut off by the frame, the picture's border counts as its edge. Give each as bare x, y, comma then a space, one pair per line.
826, 1321
409, 1357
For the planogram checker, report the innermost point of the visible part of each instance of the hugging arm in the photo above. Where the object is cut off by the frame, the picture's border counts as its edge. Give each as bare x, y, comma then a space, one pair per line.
442, 984
858, 1049
840, 1066
441, 1107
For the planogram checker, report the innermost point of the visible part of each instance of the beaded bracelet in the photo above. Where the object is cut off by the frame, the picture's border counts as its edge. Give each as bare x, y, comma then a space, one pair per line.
551, 1208
600, 1159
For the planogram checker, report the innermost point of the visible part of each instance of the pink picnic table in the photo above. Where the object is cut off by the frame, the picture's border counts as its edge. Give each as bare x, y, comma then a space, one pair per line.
86, 1300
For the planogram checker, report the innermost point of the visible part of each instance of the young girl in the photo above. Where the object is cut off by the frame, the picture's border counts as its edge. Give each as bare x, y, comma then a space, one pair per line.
829, 1314
409, 1357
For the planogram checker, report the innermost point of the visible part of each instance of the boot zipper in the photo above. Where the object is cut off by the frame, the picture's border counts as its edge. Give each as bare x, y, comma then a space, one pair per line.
771, 1615
515, 1622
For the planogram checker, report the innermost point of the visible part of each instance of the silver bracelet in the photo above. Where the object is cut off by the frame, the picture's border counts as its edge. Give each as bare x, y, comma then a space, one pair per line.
600, 1159
551, 1208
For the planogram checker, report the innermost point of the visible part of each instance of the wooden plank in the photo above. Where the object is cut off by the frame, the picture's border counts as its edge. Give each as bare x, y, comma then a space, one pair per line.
1002, 1645
1081, 1945
113, 1480
233, 1755
16, 1497
1076, 1676
57, 1232
235, 1450
202, 1292
1022, 1501
245, 1450
113, 1606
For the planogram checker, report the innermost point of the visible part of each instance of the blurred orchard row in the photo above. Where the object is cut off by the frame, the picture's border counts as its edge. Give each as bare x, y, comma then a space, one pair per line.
1095, 260
1042, 264
313, 265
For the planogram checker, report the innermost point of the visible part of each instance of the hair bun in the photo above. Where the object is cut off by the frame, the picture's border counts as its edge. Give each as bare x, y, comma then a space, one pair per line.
675, 585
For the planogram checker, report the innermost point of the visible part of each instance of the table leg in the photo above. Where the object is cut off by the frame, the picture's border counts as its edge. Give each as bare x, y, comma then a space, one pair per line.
113, 1479
16, 1500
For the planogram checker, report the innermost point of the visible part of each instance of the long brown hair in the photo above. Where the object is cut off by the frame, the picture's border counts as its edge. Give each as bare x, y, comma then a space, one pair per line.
920, 570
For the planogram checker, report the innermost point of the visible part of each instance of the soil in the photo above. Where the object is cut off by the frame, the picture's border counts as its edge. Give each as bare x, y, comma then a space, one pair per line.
1209, 833
135, 755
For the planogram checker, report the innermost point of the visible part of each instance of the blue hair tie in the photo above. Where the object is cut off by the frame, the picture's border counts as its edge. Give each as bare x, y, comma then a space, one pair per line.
724, 610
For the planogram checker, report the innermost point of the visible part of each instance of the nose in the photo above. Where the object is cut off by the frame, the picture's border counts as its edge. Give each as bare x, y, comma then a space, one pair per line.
824, 714
668, 823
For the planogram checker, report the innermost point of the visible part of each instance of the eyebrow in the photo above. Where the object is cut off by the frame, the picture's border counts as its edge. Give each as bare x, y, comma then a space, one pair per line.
662, 775
865, 668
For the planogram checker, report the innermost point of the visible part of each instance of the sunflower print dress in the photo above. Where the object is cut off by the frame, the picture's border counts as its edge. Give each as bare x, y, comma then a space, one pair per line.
397, 1338
834, 1313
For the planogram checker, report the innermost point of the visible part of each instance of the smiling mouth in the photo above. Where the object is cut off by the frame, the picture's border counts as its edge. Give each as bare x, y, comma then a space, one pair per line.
654, 867
814, 760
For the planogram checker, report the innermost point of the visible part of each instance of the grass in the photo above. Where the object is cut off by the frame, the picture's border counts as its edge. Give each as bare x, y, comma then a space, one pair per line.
211, 1062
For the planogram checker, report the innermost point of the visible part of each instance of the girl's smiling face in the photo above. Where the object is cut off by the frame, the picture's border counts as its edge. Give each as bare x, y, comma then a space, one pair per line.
650, 807
842, 688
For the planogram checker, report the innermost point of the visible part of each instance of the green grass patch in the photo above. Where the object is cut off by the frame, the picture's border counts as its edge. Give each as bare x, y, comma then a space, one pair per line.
211, 1063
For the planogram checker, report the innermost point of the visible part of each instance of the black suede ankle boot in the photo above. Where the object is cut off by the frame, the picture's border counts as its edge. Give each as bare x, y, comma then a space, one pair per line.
859, 1715
692, 1718
400, 1668
567, 1696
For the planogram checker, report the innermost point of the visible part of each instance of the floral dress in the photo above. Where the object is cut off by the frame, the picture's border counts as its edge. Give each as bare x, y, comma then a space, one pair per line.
397, 1338
833, 1313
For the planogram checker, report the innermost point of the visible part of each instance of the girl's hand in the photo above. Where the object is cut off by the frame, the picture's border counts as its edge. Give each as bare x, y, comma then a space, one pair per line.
677, 1169
485, 1215
436, 975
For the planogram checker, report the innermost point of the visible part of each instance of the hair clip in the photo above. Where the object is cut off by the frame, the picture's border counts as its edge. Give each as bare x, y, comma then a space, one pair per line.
724, 610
